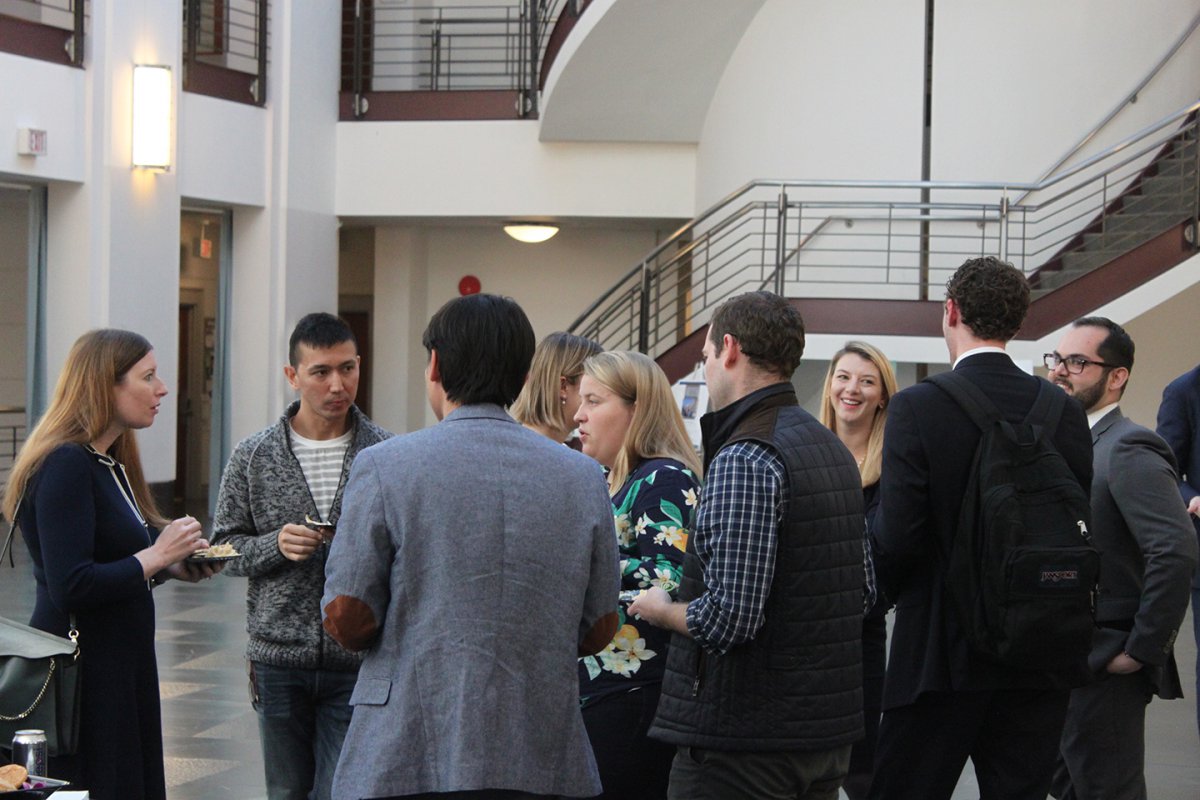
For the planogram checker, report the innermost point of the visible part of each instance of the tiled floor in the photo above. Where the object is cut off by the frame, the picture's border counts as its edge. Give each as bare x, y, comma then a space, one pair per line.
212, 750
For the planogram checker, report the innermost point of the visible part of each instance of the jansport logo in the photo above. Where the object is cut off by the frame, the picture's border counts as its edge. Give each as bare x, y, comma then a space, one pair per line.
1059, 577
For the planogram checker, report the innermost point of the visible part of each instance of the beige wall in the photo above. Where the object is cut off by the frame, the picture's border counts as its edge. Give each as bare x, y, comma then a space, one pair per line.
14, 271
418, 268
1168, 344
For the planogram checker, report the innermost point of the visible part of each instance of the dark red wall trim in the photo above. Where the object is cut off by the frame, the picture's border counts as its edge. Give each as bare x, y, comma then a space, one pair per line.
214, 81
1124, 273
34, 40
562, 27
429, 105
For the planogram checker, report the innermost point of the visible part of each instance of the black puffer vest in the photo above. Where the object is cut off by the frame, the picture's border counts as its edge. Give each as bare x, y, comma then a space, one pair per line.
798, 684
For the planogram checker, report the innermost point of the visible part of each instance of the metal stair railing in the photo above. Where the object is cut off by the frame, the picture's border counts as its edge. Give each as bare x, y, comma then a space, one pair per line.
440, 47
878, 239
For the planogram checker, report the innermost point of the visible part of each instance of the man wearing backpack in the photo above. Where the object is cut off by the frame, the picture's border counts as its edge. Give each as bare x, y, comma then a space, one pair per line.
943, 700
1141, 526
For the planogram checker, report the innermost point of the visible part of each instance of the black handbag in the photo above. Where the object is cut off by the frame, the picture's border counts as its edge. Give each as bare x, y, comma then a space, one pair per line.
40, 685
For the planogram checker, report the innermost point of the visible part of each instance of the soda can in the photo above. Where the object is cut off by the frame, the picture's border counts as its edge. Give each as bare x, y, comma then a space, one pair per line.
29, 750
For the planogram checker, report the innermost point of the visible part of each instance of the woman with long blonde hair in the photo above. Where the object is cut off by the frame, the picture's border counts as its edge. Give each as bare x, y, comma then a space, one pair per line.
858, 387
550, 398
98, 544
630, 423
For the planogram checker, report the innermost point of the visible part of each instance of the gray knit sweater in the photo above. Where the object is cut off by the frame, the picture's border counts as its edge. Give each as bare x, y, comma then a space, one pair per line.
262, 489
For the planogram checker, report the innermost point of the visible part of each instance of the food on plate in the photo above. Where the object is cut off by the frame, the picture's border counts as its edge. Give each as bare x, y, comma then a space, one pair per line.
216, 551
12, 776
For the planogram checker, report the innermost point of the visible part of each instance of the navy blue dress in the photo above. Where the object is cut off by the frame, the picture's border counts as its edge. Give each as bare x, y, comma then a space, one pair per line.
82, 534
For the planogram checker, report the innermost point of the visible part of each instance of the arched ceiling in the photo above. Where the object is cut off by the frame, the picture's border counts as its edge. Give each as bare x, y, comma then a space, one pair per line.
638, 71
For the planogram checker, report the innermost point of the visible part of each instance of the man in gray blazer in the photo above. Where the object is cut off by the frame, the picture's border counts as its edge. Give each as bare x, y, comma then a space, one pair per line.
1148, 552
475, 561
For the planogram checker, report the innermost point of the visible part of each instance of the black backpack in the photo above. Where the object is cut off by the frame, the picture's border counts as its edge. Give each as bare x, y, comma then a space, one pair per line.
1022, 571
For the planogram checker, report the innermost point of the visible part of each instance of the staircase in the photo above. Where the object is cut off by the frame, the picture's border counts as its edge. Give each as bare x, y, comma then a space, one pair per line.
871, 258
1163, 196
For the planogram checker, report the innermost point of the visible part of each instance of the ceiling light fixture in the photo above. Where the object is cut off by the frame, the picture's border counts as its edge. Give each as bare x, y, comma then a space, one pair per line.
530, 232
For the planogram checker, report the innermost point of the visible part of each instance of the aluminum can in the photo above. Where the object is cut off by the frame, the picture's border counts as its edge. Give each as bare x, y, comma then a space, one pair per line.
29, 750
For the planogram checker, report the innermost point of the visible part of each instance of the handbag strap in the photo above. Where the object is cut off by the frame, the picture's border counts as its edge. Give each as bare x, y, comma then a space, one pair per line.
12, 529
73, 635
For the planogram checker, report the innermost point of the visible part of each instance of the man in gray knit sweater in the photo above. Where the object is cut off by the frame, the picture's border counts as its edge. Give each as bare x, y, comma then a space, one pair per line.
280, 499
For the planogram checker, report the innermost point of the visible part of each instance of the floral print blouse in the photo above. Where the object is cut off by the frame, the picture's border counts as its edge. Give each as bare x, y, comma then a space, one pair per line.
654, 511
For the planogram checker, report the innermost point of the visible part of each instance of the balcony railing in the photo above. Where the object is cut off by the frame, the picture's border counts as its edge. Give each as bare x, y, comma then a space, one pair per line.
225, 49
12, 436
884, 240
50, 30
471, 61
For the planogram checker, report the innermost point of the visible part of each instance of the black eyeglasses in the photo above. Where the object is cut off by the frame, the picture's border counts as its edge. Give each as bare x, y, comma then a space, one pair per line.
1075, 364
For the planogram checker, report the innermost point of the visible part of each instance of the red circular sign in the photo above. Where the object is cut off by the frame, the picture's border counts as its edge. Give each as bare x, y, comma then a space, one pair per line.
468, 285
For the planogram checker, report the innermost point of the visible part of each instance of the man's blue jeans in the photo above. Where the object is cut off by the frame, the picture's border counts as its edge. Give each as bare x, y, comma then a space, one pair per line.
303, 715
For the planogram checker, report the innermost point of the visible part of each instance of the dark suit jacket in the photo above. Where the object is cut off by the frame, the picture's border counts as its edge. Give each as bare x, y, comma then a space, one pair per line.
928, 448
1147, 546
1179, 425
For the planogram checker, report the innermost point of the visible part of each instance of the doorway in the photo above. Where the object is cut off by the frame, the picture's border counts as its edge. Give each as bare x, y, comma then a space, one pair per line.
199, 444
16, 216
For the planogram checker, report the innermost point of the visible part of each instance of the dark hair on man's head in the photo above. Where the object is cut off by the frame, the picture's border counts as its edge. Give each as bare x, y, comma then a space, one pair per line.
319, 331
768, 328
1117, 348
484, 344
992, 297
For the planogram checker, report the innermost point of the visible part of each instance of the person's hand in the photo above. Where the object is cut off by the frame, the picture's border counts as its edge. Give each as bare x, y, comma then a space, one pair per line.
1194, 506
194, 571
298, 543
1123, 664
650, 604
178, 540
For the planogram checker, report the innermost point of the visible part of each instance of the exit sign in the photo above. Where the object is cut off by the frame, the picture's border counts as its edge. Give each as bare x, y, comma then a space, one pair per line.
31, 142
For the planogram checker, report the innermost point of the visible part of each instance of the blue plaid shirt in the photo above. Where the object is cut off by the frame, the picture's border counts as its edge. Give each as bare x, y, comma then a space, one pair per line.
744, 499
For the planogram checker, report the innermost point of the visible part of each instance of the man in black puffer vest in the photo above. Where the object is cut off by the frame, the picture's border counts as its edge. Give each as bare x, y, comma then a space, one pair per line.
763, 691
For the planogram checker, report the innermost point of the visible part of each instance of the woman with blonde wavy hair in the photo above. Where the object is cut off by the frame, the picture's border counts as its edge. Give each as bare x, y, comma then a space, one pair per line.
98, 544
858, 387
550, 398
630, 423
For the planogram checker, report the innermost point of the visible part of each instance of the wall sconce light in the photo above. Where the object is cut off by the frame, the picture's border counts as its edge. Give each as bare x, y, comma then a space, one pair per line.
152, 117
530, 232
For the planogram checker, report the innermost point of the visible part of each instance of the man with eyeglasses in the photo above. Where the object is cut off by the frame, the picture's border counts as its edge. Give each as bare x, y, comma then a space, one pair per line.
1148, 554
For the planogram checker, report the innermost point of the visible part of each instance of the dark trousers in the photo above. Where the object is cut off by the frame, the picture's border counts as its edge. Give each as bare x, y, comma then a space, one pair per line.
874, 650
631, 765
1011, 736
1196, 632
1103, 749
699, 774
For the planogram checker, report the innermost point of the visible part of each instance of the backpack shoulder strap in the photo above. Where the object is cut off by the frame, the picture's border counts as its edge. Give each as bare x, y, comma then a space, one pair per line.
974, 401
1047, 408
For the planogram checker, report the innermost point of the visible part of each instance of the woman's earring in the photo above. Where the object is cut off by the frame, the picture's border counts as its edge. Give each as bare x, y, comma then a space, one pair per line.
562, 399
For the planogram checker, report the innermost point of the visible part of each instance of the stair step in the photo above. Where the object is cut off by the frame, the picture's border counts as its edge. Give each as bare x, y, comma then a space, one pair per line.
1170, 184
1120, 241
1087, 260
1155, 221
1141, 202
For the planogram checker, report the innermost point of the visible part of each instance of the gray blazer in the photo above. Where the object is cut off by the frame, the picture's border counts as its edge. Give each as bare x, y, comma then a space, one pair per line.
1148, 549
485, 553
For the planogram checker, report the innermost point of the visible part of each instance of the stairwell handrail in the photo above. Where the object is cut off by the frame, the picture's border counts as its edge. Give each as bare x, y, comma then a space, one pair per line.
1003, 187
1127, 142
1129, 98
